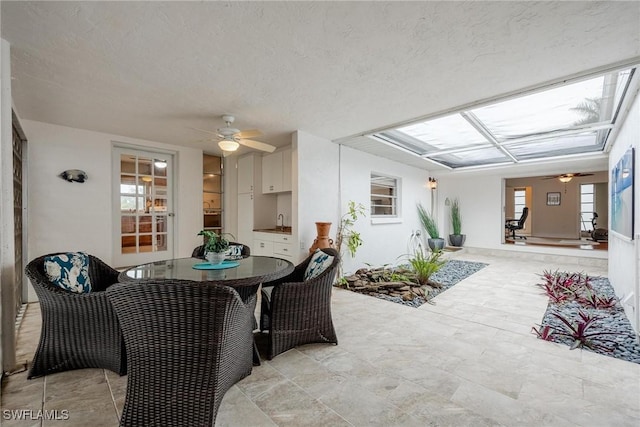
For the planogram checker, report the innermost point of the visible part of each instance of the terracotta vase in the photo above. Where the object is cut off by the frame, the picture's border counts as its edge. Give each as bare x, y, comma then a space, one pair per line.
323, 240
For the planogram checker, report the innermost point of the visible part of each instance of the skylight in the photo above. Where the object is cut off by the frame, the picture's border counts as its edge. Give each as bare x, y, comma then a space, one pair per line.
567, 120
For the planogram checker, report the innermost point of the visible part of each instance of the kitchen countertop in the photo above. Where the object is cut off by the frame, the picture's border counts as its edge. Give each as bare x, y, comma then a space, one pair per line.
283, 230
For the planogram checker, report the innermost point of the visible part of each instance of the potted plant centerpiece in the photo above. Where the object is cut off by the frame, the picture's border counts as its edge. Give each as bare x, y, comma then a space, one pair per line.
457, 238
215, 246
430, 225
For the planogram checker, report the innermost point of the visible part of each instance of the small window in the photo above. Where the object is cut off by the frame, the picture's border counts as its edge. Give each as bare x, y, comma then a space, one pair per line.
587, 206
384, 196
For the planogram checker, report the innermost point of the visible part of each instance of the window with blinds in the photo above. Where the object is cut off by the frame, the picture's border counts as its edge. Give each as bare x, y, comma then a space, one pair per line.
384, 196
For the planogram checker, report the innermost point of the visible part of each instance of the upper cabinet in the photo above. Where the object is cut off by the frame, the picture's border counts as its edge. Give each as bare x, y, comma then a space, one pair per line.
276, 172
246, 169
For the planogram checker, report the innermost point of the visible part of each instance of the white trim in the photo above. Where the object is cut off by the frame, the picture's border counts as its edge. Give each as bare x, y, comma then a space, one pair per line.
379, 220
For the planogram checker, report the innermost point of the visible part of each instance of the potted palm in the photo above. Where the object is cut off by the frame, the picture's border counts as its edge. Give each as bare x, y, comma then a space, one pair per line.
215, 246
457, 238
430, 225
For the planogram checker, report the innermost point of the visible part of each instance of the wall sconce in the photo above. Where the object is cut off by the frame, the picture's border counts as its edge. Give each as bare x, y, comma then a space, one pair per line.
74, 175
433, 183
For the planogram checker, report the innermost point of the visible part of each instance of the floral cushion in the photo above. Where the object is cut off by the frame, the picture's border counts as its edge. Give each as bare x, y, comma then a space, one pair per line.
233, 252
319, 263
69, 271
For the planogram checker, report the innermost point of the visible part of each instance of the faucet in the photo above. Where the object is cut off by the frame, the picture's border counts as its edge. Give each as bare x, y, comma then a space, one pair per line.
280, 217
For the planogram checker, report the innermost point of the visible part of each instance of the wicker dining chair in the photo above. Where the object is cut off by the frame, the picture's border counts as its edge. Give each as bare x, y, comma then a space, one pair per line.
187, 344
295, 311
78, 330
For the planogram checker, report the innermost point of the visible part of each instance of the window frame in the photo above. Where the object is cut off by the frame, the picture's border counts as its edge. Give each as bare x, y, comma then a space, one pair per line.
394, 198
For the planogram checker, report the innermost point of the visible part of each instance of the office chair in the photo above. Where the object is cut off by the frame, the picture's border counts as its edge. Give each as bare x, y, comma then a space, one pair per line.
511, 225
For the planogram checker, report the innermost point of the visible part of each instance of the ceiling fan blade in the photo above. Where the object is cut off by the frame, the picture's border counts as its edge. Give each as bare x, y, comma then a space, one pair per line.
204, 130
245, 134
257, 145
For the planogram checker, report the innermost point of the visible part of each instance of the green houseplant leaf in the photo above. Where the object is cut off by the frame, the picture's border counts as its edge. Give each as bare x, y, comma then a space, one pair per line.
428, 222
456, 217
214, 242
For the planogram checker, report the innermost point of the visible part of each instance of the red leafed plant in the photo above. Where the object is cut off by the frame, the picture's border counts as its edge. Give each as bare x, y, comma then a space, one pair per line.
561, 286
544, 332
579, 332
593, 300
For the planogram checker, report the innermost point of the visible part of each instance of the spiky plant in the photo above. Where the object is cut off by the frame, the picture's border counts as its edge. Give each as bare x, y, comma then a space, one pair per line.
425, 266
579, 332
456, 217
544, 332
428, 222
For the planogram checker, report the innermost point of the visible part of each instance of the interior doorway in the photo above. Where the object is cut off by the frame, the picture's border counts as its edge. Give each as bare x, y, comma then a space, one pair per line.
143, 206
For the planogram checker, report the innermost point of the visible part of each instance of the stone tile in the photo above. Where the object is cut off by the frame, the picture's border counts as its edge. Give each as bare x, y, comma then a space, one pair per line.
503, 409
237, 410
20, 393
288, 405
468, 360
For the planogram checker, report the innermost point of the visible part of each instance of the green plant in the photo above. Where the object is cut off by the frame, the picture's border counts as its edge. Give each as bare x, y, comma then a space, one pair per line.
424, 266
456, 217
214, 242
429, 222
345, 230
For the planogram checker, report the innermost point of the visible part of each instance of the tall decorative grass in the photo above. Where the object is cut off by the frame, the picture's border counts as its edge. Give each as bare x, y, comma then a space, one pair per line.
456, 217
428, 222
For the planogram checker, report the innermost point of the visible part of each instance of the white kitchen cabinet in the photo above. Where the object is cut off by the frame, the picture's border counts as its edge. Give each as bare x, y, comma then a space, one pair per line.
276, 172
277, 245
246, 172
245, 219
255, 210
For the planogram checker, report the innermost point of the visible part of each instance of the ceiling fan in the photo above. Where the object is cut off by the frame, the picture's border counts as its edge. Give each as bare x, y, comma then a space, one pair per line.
230, 138
566, 177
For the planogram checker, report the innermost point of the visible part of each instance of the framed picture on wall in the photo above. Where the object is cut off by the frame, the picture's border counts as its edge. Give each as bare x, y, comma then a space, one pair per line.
622, 194
553, 199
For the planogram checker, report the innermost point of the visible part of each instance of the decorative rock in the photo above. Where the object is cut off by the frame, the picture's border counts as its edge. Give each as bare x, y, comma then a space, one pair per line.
377, 282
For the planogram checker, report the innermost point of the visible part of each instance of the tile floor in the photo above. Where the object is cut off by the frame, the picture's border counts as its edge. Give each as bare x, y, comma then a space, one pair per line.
469, 360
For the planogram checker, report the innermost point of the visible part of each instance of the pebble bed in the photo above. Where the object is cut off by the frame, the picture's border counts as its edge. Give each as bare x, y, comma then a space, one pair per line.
614, 319
451, 273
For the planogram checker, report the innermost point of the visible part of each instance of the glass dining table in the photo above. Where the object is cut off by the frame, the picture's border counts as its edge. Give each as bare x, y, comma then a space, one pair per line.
244, 275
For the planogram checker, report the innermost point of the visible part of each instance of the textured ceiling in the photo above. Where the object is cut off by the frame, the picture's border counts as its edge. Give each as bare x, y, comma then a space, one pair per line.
334, 69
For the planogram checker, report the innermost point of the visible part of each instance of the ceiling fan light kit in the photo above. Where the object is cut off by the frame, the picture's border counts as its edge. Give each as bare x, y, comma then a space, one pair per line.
228, 145
565, 179
230, 139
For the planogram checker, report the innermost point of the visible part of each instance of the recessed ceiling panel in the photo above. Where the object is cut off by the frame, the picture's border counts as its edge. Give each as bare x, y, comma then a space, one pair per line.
475, 157
586, 142
559, 108
571, 119
444, 133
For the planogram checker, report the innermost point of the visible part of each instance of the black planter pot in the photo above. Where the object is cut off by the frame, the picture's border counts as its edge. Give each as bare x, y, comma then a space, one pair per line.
457, 239
436, 244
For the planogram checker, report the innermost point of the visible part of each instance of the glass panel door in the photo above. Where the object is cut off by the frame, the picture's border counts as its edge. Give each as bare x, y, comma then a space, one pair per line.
144, 207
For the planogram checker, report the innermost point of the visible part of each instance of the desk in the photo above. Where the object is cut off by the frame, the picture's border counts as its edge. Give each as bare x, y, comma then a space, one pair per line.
245, 278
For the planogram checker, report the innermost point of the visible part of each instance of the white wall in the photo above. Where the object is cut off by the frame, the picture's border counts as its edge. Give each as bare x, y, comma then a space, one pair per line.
624, 255
383, 243
71, 216
315, 182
